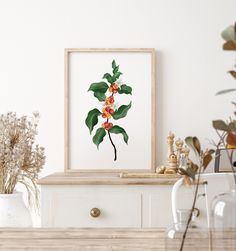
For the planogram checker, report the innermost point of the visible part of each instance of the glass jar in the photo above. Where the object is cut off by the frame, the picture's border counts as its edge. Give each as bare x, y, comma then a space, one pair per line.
174, 233
223, 217
224, 210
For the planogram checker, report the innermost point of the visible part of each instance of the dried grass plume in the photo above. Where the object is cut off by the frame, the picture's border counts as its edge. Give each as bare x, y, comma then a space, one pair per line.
21, 159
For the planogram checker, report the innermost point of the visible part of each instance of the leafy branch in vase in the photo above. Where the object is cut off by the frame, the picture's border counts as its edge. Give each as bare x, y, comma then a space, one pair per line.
226, 131
203, 159
106, 92
229, 35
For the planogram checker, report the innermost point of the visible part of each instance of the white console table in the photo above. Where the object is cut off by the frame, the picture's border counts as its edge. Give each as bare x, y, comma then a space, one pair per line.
89, 200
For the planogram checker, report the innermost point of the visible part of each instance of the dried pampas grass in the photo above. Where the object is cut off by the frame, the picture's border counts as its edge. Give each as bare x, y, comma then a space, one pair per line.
21, 159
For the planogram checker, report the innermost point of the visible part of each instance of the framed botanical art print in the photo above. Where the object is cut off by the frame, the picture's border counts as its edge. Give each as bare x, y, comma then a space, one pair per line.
110, 110
224, 158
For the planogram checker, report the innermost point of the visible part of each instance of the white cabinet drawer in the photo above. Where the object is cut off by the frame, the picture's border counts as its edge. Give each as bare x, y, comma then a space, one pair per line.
116, 210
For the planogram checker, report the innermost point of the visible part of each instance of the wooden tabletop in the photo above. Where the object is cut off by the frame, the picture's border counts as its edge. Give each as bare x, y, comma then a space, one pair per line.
111, 239
73, 178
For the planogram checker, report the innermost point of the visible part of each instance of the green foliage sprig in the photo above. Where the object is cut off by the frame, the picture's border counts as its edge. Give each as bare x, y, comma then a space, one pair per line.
227, 130
105, 92
229, 35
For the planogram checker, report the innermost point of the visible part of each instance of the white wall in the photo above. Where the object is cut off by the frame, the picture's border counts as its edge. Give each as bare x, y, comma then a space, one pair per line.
191, 65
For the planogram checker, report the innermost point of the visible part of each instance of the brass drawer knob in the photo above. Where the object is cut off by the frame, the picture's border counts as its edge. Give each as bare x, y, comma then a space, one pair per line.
95, 212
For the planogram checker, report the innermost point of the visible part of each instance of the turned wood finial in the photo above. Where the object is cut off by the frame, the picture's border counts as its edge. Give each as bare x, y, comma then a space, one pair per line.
170, 142
179, 144
186, 151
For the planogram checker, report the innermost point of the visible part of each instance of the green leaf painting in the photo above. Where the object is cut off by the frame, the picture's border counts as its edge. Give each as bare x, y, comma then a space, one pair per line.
109, 78
92, 119
98, 137
99, 87
125, 89
117, 75
113, 64
107, 92
115, 69
100, 96
121, 112
117, 129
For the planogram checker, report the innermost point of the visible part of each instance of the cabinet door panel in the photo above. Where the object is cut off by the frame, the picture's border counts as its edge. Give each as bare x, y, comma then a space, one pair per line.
160, 211
160, 214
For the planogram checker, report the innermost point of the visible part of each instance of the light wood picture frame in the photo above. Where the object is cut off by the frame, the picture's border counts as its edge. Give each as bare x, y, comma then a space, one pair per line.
222, 161
100, 129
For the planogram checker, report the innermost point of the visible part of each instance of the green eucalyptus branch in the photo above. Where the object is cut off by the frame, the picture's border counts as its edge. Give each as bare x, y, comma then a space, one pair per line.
229, 35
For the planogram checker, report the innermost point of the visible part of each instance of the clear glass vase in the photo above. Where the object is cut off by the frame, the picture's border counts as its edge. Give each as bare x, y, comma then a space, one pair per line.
175, 232
224, 210
223, 217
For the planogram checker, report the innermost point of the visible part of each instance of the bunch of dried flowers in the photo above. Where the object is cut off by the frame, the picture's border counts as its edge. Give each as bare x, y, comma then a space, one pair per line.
20, 159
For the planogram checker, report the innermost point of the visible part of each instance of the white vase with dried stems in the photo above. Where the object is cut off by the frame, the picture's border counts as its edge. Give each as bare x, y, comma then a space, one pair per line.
20, 163
13, 212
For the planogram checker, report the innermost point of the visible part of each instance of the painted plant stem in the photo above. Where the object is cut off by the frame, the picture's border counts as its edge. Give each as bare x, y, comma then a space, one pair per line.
109, 135
115, 151
106, 92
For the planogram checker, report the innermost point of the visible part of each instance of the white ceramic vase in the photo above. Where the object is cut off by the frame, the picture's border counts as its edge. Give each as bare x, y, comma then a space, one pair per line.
13, 212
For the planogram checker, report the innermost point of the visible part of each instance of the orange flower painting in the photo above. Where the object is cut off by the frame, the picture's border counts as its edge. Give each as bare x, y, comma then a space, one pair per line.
107, 92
